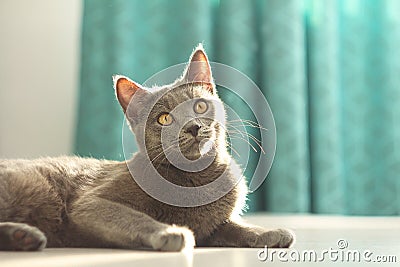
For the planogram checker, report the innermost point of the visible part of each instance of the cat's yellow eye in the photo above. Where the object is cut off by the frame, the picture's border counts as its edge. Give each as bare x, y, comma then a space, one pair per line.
200, 107
165, 119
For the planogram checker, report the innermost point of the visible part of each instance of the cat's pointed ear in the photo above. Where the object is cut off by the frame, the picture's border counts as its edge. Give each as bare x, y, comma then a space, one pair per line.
198, 70
125, 88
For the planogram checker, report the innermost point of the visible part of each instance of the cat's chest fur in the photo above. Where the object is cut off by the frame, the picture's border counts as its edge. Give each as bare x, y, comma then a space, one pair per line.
202, 220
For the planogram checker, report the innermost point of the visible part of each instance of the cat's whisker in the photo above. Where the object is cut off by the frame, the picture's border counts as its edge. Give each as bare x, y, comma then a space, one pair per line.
162, 152
236, 128
245, 123
167, 154
255, 139
173, 144
154, 159
242, 133
252, 137
154, 147
161, 145
249, 125
241, 138
244, 120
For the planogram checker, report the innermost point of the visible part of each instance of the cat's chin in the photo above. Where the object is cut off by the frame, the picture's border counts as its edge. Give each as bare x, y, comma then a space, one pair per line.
193, 152
205, 146
199, 149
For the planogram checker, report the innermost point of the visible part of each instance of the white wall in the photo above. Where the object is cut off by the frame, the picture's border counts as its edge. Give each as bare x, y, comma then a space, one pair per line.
39, 72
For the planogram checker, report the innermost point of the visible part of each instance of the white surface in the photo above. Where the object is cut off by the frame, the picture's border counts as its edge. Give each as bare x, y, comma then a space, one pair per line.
39, 67
380, 235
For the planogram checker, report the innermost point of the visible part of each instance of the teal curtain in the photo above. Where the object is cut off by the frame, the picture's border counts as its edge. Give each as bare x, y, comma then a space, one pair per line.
330, 71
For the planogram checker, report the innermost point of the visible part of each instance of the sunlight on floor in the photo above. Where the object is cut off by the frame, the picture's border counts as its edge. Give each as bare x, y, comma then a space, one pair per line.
378, 235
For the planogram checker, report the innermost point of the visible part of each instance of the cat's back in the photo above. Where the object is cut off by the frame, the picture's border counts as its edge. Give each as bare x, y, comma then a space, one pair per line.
66, 176
68, 164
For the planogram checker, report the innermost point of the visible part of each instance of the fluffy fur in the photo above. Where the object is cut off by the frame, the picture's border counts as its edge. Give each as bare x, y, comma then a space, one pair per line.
84, 202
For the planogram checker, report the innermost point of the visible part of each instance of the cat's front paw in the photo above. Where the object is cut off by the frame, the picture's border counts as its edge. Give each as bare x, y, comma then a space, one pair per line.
21, 237
279, 238
173, 238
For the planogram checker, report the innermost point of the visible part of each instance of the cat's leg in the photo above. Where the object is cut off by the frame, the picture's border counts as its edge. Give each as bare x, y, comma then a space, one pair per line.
21, 237
117, 225
235, 234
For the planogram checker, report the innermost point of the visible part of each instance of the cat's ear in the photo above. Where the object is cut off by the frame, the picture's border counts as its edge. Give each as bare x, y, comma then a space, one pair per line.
125, 88
198, 70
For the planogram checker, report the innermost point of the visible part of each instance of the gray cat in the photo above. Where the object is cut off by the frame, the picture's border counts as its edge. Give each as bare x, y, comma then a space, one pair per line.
84, 202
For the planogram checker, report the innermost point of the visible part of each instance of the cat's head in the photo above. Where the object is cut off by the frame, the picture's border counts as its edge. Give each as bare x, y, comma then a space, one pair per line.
185, 116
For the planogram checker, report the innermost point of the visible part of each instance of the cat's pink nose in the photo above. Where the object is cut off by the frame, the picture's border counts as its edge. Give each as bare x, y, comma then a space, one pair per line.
193, 129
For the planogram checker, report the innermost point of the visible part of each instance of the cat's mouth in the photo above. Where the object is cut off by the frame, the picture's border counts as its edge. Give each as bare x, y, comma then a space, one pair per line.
198, 139
189, 144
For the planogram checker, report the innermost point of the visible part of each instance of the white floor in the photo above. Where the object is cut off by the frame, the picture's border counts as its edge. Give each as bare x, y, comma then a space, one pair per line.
343, 238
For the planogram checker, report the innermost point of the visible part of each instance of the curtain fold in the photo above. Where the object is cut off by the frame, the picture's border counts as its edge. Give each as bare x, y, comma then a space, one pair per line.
237, 45
284, 81
324, 95
329, 70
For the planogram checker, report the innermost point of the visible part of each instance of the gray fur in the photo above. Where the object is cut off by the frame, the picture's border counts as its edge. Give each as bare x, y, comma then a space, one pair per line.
84, 202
